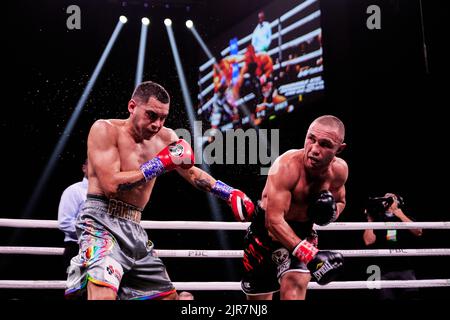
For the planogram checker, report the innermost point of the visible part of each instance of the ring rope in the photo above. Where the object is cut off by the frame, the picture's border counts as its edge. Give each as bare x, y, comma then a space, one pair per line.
196, 253
236, 286
220, 225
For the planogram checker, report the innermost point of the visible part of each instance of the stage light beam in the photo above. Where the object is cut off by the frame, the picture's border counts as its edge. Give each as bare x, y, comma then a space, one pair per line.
41, 184
141, 53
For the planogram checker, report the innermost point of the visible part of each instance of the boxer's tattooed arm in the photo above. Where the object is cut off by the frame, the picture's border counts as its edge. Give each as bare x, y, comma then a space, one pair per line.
203, 184
198, 178
129, 185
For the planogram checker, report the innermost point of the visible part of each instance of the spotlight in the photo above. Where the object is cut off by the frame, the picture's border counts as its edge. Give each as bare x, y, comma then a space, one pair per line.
123, 19
189, 24
168, 22
145, 21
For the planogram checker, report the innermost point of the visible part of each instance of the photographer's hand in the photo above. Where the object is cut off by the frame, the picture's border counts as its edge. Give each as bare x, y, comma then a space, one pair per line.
404, 218
369, 236
398, 212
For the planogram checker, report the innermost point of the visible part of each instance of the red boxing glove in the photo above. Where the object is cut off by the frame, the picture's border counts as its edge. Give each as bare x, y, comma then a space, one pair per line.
176, 154
243, 208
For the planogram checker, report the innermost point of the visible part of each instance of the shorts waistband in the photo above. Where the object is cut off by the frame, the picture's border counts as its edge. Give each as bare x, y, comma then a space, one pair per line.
258, 225
118, 208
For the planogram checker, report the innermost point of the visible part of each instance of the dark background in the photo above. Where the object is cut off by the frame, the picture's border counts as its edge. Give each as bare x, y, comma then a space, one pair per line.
376, 82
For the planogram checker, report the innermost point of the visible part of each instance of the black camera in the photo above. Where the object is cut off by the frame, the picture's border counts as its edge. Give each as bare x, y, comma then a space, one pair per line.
377, 208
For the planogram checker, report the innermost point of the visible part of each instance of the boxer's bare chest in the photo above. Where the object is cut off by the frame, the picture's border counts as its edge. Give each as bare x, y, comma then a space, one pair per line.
301, 195
133, 154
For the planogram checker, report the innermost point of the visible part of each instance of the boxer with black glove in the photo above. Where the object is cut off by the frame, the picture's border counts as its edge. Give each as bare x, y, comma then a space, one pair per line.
304, 187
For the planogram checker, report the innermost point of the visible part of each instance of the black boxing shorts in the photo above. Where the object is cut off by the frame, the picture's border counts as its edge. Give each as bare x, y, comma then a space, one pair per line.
266, 260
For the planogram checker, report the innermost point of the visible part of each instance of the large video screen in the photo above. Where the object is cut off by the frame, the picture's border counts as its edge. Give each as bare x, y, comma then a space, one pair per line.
268, 65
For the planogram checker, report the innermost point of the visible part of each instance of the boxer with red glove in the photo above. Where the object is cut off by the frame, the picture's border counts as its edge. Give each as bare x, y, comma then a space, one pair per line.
243, 208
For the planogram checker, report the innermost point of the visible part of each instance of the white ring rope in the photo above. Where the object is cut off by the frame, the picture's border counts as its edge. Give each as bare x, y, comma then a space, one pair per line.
196, 253
219, 225
213, 225
236, 286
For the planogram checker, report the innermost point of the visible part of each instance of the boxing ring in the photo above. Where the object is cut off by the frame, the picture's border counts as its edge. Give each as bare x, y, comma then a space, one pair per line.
236, 286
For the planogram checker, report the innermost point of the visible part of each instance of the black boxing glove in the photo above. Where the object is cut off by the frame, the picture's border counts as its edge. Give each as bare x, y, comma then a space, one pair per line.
322, 209
326, 266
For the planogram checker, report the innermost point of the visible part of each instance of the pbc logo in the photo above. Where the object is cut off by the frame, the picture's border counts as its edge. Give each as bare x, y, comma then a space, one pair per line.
197, 253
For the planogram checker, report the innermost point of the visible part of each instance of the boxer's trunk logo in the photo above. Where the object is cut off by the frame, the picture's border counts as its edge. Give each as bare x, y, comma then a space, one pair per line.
280, 255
